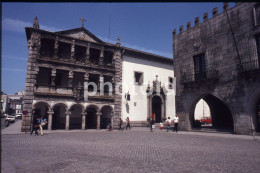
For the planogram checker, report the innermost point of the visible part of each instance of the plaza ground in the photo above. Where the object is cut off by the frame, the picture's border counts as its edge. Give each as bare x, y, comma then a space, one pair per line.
136, 150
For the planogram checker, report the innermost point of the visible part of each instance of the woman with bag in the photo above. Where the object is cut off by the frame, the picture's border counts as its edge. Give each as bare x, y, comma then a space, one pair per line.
42, 122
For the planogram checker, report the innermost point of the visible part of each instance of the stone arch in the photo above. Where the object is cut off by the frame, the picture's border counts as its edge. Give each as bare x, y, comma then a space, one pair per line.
150, 110
222, 116
59, 115
40, 109
38, 102
75, 117
157, 107
106, 116
60, 103
91, 120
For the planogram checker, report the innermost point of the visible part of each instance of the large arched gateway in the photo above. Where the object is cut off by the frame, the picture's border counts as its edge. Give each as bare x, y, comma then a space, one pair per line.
221, 116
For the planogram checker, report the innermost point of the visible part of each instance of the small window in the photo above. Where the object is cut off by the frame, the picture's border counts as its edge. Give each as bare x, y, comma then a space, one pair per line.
138, 78
199, 67
170, 82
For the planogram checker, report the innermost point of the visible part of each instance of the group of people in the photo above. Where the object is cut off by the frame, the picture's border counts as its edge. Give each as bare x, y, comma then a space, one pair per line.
37, 125
168, 123
121, 124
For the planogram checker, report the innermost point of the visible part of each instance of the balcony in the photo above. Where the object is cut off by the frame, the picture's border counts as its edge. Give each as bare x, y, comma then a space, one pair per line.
71, 93
191, 77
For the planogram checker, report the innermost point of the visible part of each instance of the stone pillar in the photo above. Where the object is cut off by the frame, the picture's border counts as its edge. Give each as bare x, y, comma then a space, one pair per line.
83, 122
98, 120
87, 54
101, 84
118, 80
101, 57
56, 47
112, 121
67, 124
53, 76
34, 47
72, 50
50, 113
70, 79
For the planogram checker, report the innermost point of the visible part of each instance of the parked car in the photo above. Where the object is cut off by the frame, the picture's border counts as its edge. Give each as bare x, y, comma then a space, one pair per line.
205, 120
10, 118
18, 116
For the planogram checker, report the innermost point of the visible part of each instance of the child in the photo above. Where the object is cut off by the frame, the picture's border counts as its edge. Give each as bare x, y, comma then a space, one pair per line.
161, 126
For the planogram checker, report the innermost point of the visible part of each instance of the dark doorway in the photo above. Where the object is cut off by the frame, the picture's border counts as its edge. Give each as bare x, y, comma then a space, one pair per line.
76, 117
221, 117
59, 117
105, 117
157, 108
258, 116
40, 110
91, 118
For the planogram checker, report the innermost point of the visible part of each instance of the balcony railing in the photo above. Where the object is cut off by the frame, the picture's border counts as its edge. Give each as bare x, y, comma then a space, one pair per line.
192, 77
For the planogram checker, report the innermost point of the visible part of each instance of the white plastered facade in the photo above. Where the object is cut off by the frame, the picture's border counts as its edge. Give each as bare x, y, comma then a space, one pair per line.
137, 108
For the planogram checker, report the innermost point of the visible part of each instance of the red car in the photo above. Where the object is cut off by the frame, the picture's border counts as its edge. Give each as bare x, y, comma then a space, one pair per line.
205, 120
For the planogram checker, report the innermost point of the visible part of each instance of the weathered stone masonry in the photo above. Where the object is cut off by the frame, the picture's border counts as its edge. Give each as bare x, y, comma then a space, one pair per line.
230, 76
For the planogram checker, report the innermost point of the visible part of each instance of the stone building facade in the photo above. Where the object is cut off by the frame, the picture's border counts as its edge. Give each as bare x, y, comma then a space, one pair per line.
62, 65
218, 60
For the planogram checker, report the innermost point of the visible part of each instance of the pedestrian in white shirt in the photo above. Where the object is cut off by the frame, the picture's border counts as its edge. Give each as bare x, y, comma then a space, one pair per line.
176, 121
168, 123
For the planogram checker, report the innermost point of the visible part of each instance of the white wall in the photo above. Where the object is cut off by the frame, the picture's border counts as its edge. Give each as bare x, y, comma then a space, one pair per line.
201, 109
150, 69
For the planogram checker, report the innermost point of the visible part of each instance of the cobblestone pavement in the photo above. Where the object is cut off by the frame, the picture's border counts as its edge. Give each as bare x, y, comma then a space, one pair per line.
129, 151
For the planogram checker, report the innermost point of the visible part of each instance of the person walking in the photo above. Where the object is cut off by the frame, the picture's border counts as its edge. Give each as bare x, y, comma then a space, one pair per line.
168, 123
121, 127
42, 122
161, 126
128, 123
152, 122
35, 126
176, 121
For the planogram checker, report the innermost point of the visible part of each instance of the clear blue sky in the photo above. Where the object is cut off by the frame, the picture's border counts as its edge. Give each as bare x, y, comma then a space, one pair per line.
143, 26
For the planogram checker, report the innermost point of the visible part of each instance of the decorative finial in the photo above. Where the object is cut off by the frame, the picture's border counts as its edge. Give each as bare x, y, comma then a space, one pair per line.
118, 42
83, 20
35, 23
